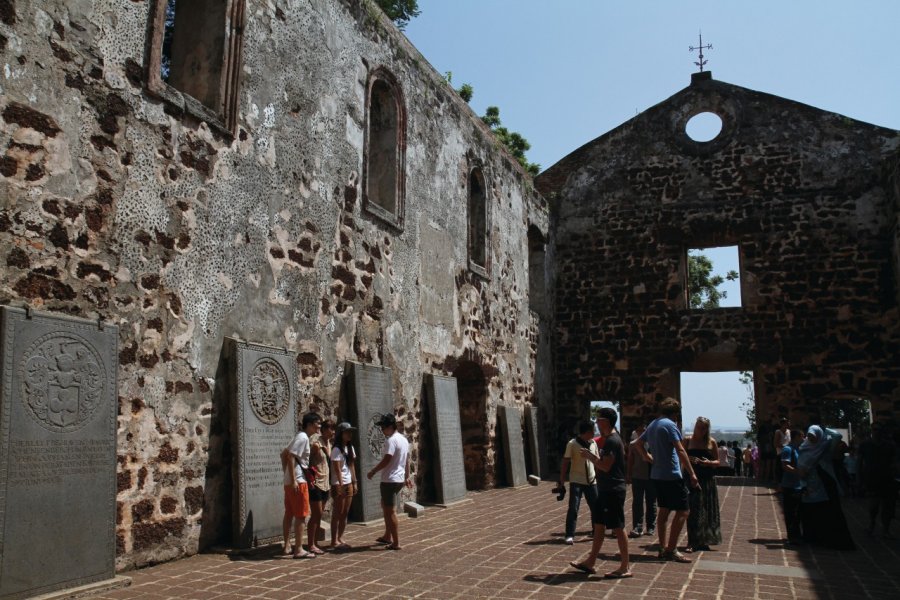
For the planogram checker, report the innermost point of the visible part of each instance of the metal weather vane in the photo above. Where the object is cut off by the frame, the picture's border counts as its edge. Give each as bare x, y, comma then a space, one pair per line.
700, 48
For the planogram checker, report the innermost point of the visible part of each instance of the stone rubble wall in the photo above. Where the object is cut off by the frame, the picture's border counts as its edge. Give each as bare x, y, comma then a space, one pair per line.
803, 193
113, 205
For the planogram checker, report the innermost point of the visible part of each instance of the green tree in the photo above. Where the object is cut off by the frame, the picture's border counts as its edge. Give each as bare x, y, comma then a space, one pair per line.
514, 142
749, 405
703, 286
400, 11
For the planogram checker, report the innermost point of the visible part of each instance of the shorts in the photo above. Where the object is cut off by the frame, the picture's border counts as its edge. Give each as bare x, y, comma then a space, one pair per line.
317, 495
336, 489
296, 502
671, 494
389, 492
610, 511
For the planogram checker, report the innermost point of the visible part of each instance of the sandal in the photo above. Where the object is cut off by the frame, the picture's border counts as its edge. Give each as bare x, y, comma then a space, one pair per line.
583, 568
392, 547
676, 556
343, 546
304, 555
381, 540
618, 575
316, 550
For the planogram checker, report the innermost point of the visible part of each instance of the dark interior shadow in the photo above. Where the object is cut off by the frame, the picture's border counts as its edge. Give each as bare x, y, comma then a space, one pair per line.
215, 527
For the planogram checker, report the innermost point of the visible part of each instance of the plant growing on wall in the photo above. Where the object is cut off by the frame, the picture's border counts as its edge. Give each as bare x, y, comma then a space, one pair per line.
400, 11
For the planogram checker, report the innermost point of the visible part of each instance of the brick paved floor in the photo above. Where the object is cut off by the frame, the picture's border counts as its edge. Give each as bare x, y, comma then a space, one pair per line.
508, 544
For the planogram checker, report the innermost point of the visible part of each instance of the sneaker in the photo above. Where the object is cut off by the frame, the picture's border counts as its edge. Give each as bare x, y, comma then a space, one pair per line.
650, 531
636, 533
570, 540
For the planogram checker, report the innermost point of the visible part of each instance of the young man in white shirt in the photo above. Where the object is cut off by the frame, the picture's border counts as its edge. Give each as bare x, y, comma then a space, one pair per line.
395, 467
294, 459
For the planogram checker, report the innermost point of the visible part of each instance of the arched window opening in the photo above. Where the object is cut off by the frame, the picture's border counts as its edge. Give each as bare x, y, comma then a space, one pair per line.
537, 300
384, 150
477, 221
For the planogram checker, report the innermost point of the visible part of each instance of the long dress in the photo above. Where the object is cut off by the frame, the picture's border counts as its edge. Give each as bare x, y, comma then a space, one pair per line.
821, 517
704, 527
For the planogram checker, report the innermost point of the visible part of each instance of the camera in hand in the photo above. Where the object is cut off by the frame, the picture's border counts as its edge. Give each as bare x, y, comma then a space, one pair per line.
560, 491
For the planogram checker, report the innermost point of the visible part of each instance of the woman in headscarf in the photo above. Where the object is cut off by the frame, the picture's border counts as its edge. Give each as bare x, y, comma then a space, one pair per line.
820, 510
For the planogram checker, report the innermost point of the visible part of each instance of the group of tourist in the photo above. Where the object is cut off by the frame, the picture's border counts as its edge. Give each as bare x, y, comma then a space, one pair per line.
675, 477
320, 463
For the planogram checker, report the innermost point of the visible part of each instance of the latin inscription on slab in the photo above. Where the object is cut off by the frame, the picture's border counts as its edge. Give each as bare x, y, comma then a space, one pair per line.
513, 452
58, 402
370, 396
450, 471
264, 422
531, 437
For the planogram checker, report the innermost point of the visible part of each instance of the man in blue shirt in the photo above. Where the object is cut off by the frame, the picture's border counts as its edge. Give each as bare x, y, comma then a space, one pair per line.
668, 457
791, 487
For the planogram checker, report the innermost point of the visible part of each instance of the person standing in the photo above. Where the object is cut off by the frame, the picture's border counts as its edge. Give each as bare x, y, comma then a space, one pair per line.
766, 442
395, 473
343, 482
747, 458
320, 450
295, 462
879, 467
791, 487
637, 475
668, 457
703, 524
738, 458
721, 458
582, 476
610, 512
781, 438
821, 517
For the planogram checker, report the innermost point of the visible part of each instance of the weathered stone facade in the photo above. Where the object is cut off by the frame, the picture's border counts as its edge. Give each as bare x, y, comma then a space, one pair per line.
808, 198
124, 202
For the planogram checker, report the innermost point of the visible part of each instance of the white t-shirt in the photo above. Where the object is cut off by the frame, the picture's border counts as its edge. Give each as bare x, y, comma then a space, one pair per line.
723, 457
398, 448
338, 457
782, 439
299, 447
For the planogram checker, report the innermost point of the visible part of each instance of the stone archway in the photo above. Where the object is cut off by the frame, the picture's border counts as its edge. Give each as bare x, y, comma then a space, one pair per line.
472, 388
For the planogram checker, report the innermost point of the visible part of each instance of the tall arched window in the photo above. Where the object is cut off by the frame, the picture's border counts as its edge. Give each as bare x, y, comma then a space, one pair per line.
385, 147
478, 225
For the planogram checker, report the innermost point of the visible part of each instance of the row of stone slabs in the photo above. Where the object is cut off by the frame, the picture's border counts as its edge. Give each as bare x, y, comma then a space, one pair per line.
58, 398
265, 414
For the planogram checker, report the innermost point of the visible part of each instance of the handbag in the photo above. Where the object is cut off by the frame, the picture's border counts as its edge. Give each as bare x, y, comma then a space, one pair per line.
310, 474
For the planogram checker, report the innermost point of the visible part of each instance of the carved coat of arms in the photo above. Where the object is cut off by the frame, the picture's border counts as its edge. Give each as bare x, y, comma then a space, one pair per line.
63, 381
269, 391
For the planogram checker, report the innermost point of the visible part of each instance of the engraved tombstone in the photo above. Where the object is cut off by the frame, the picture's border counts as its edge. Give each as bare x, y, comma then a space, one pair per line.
369, 396
531, 438
58, 403
443, 405
513, 452
264, 421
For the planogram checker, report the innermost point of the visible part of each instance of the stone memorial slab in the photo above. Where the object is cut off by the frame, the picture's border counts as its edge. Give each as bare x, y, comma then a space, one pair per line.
58, 405
531, 439
264, 421
511, 437
369, 395
449, 468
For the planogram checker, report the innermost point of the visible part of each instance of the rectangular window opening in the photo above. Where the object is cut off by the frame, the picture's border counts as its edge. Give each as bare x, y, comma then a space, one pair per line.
713, 277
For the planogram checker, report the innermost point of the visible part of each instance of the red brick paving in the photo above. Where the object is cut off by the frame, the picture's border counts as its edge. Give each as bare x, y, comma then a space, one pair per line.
508, 544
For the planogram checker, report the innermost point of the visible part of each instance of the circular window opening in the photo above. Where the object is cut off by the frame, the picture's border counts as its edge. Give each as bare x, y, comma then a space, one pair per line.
704, 127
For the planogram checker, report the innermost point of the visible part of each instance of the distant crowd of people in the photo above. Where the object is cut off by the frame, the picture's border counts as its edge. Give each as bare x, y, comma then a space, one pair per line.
673, 482
320, 463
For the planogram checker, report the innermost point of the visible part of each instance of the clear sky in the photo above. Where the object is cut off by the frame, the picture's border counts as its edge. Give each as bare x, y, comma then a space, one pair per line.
566, 72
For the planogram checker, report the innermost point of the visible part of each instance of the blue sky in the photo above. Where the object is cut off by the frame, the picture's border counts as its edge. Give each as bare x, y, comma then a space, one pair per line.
566, 72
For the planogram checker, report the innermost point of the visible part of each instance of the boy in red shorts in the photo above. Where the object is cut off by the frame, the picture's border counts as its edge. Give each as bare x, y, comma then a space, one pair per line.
294, 460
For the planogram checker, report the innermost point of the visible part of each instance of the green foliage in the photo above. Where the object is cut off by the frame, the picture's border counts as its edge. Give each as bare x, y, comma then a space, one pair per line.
703, 286
844, 412
465, 91
400, 11
514, 142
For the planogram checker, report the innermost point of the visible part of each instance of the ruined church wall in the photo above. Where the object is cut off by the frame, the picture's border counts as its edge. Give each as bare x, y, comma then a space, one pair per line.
116, 205
802, 193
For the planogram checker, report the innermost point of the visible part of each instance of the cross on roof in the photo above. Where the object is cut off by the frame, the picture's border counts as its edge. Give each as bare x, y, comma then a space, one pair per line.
700, 48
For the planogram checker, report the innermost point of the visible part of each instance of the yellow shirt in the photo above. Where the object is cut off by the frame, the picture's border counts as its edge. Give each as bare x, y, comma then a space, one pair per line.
580, 470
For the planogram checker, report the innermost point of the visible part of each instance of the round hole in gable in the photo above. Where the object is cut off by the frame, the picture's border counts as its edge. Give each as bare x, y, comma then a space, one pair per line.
704, 127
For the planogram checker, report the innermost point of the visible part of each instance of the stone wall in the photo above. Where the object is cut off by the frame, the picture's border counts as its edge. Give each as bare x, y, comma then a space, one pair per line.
804, 195
134, 208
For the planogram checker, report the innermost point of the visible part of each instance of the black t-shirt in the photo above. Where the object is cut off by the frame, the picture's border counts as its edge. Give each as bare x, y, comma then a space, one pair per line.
614, 479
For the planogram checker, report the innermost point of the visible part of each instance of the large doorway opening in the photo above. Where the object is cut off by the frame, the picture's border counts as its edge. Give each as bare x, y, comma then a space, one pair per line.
472, 389
726, 398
